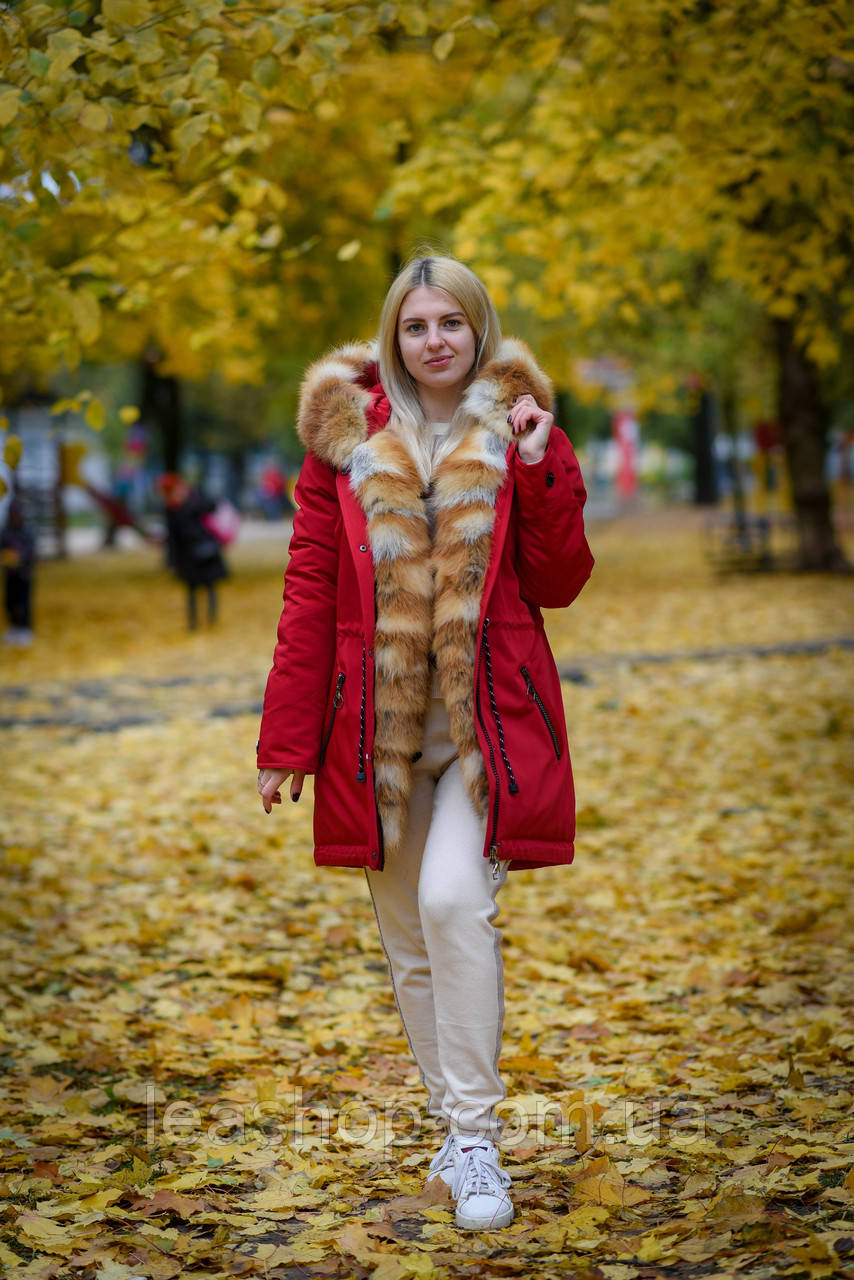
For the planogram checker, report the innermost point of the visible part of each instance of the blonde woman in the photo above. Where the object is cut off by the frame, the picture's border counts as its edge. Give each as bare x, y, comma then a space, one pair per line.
439, 511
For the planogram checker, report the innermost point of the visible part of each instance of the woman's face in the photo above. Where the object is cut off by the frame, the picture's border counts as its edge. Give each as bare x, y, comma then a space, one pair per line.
437, 343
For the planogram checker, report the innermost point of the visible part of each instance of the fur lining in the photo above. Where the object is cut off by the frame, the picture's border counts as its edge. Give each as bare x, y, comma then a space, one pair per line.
415, 613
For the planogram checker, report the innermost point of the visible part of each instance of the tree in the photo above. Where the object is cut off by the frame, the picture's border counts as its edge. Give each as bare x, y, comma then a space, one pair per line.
617, 159
194, 185
164, 170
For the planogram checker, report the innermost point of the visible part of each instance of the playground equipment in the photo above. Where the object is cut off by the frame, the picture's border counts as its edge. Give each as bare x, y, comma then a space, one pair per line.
71, 455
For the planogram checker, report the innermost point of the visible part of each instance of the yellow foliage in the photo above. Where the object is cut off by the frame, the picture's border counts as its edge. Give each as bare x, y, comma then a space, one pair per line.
12, 451
722, 144
94, 415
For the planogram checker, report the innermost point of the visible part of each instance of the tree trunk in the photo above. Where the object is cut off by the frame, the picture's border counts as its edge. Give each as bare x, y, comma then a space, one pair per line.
803, 426
160, 407
705, 463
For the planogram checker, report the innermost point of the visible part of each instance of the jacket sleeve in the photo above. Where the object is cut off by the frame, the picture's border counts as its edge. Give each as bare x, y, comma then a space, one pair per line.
298, 684
553, 560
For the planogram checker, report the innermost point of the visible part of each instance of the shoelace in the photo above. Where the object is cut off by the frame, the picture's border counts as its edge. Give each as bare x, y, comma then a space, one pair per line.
478, 1174
444, 1156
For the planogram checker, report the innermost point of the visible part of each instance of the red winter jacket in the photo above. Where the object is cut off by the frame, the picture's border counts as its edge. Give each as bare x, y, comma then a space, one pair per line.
370, 603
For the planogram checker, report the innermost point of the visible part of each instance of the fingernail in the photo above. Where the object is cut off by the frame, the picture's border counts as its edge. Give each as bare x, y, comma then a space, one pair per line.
509, 418
296, 797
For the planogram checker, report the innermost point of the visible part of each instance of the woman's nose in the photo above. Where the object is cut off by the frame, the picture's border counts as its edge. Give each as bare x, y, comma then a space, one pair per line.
434, 338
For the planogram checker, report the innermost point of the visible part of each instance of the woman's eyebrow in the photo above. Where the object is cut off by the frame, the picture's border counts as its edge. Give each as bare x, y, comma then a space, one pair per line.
447, 315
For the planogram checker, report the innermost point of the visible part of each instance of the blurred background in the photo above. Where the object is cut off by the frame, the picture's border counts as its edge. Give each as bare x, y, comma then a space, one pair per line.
197, 201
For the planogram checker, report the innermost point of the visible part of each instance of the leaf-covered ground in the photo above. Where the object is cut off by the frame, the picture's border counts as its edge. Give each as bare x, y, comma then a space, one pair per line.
203, 1071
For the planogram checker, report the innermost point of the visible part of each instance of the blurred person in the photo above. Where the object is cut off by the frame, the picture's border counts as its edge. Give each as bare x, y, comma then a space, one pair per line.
193, 551
437, 512
273, 491
18, 557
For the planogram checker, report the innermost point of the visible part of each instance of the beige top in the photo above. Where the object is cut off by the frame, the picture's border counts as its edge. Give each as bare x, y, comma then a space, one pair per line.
440, 430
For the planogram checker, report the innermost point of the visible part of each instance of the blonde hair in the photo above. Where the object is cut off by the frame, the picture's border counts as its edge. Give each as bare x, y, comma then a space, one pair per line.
435, 272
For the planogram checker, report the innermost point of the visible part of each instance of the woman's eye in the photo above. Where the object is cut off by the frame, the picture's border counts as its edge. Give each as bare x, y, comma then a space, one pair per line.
453, 324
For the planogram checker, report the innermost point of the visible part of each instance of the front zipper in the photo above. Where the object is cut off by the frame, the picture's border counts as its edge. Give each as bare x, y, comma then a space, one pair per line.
360, 759
337, 700
533, 696
493, 841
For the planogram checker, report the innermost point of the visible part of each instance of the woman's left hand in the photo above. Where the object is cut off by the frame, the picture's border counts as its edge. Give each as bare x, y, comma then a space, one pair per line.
532, 427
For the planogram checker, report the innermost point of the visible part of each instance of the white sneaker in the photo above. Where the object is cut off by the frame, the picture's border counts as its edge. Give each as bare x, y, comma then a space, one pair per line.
480, 1186
442, 1164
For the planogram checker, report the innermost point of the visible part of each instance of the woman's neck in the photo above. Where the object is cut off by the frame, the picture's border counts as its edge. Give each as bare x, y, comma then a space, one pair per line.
439, 406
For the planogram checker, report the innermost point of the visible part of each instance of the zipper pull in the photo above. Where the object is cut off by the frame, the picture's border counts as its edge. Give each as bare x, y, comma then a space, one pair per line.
529, 684
493, 861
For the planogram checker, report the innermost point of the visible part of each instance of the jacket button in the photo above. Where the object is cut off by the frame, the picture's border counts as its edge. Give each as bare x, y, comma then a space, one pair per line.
374, 859
370, 653
550, 479
363, 547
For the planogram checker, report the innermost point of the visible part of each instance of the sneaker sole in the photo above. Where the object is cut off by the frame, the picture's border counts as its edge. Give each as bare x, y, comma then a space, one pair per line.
503, 1218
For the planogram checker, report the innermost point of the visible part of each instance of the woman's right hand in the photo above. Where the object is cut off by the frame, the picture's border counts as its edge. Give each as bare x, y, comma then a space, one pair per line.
271, 780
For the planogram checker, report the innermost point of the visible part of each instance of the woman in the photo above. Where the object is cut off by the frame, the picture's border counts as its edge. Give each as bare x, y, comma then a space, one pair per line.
438, 511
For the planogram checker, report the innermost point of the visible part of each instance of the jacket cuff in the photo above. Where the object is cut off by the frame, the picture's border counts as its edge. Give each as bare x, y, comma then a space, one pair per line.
539, 476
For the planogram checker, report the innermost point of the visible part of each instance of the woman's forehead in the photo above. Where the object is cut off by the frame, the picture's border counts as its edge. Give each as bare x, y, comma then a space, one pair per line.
428, 300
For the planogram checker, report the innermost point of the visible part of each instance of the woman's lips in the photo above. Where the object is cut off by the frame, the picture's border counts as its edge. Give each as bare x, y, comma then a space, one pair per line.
438, 362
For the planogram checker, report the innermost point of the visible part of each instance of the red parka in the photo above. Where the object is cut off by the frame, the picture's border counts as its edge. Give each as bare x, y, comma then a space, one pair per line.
372, 604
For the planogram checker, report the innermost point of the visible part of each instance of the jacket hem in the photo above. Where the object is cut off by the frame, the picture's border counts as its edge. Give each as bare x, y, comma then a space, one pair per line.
519, 853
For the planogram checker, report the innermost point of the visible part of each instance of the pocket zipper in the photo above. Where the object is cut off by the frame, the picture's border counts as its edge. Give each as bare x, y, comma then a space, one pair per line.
337, 699
533, 696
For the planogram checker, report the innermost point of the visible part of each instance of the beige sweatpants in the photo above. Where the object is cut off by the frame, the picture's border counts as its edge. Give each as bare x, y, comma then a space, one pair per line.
435, 903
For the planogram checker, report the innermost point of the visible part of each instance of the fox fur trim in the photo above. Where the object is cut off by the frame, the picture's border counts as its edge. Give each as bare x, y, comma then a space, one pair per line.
428, 592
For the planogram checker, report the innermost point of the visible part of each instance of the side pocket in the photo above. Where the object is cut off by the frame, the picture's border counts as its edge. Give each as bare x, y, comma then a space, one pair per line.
337, 700
533, 696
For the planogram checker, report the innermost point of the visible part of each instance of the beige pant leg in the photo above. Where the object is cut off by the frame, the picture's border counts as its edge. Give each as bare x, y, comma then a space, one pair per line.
456, 898
394, 891
435, 903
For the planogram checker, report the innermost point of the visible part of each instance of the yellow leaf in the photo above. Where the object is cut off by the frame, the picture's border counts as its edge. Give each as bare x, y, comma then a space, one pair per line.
128, 414
67, 405
63, 47
7, 1257
95, 415
192, 130
9, 102
87, 315
4, 424
94, 117
126, 13
603, 1184
349, 250
443, 45
44, 1234
12, 450
4, 488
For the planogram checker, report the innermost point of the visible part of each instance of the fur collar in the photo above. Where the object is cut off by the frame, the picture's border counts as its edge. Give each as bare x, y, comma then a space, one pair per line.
428, 594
